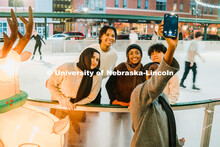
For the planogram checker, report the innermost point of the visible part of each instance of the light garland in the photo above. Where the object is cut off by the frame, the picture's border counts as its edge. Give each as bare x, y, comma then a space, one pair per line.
207, 5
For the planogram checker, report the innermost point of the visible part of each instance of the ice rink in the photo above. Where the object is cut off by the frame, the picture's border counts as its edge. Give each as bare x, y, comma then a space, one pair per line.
33, 75
98, 129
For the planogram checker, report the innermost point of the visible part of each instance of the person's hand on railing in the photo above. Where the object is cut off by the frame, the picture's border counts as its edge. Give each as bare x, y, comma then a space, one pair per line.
116, 102
63, 101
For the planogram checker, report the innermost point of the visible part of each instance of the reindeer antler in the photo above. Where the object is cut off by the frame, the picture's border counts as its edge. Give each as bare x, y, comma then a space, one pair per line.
9, 41
23, 40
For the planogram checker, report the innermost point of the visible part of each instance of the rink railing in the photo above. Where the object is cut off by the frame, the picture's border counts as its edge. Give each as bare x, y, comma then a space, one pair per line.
209, 106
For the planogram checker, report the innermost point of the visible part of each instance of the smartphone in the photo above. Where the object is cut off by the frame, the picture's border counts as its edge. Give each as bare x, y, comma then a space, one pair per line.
170, 27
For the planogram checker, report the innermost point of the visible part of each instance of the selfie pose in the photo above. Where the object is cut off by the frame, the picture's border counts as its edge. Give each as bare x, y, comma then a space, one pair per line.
153, 121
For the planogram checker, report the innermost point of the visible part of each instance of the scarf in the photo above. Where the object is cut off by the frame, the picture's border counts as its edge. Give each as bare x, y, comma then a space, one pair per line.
171, 121
84, 64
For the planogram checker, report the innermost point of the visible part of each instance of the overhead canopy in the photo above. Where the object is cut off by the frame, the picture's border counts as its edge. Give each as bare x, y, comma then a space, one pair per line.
113, 17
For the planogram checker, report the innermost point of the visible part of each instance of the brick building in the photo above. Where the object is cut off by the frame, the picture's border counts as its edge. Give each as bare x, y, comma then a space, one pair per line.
183, 8
120, 7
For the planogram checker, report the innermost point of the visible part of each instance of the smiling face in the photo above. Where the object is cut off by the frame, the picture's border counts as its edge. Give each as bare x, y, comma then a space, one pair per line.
108, 38
134, 56
156, 56
94, 60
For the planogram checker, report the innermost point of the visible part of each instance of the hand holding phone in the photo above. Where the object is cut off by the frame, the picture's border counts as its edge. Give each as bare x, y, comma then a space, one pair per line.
172, 42
170, 26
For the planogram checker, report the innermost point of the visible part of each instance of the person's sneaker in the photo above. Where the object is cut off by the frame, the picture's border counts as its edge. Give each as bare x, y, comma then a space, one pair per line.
32, 57
195, 88
181, 85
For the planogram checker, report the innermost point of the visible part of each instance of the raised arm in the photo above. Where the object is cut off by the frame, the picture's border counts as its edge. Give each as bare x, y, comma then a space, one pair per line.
23, 40
9, 41
152, 88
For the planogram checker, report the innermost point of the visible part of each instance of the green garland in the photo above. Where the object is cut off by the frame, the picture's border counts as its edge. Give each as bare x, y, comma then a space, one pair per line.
13, 102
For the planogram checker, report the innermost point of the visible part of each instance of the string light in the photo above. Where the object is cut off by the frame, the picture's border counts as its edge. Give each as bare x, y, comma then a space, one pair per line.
207, 5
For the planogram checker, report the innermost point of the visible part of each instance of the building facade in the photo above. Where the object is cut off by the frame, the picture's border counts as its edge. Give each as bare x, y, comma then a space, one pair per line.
22, 6
90, 27
184, 8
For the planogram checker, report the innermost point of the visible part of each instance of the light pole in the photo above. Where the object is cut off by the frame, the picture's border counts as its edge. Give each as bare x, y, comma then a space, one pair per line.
196, 13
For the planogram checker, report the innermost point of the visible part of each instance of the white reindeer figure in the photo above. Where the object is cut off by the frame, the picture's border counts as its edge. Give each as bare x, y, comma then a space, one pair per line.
20, 123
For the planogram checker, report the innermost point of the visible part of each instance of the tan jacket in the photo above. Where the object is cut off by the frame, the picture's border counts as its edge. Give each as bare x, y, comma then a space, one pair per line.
172, 89
68, 85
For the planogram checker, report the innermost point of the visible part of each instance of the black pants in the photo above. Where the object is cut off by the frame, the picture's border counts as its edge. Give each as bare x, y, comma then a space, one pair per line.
98, 98
187, 69
37, 45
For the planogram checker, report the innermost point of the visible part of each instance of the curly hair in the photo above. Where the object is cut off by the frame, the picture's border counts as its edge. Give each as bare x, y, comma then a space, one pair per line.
158, 47
104, 30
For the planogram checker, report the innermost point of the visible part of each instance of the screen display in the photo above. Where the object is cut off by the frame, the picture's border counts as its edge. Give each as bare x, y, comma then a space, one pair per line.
170, 25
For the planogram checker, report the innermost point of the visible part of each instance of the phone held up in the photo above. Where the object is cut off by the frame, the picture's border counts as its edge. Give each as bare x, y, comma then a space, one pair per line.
170, 27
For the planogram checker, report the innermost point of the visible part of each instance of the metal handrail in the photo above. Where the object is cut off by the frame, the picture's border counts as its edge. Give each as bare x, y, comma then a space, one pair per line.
207, 104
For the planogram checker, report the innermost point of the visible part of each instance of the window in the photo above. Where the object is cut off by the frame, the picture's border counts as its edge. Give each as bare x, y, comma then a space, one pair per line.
16, 3
139, 4
146, 4
21, 28
211, 9
3, 28
174, 6
205, 10
92, 4
161, 5
124, 3
192, 5
116, 3
101, 5
96, 4
181, 7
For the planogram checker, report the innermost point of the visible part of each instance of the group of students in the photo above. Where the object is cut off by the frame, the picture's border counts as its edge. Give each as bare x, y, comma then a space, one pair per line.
82, 89
141, 92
